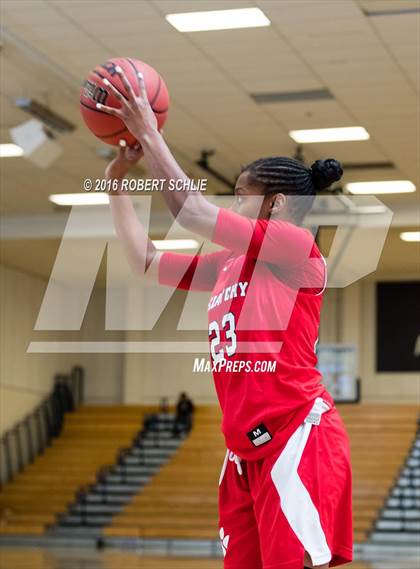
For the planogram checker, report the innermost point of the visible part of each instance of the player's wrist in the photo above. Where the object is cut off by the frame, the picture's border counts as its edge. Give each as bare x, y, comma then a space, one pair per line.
148, 138
116, 171
116, 187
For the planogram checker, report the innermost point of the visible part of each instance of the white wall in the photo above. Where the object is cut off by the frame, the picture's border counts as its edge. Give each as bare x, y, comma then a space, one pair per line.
104, 372
349, 316
144, 378
148, 377
26, 378
395, 387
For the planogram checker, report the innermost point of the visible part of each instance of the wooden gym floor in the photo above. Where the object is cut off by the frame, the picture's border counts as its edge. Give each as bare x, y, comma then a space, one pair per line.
75, 559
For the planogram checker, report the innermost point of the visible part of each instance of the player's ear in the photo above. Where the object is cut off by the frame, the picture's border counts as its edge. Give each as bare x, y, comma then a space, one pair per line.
277, 204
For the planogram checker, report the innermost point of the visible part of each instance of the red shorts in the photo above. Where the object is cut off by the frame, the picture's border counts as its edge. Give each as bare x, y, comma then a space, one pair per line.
300, 499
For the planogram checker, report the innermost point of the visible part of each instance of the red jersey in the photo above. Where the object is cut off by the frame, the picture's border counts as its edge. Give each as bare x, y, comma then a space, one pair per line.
264, 313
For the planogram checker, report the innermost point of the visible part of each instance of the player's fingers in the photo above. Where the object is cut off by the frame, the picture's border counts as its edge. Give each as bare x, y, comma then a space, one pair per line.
109, 110
126, 83
142, 86
122, 148
115, 91
133, 155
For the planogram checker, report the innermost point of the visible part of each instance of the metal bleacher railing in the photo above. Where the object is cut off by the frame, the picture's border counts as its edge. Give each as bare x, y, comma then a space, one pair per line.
29, 437
399, 519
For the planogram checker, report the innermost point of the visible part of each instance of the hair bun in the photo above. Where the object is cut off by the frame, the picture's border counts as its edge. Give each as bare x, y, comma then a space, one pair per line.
325, 172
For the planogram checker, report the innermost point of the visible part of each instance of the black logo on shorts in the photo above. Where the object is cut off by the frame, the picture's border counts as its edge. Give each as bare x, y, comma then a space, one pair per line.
259, 435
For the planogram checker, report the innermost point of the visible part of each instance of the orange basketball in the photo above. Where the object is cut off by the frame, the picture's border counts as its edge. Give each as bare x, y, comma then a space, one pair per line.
106, 127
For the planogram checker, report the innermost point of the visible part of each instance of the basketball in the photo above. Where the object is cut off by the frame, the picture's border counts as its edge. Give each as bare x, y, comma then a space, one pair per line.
106, 127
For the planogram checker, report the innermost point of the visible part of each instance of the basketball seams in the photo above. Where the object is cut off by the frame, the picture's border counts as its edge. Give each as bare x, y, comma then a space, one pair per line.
155, 96
103, 113
157, 93
92, 108
115, 87
115, 133
135, 71
97, 76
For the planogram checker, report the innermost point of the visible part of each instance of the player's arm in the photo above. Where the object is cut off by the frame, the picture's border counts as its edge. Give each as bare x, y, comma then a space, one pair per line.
138, 247
195, 272
190, 272
189, 207
275, 242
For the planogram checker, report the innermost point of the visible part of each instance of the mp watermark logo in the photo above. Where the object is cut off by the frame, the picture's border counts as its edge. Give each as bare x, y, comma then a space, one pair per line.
134, 302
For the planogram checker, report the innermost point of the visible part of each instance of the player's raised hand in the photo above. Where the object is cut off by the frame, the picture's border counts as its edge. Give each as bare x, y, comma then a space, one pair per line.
125, 159
135, 110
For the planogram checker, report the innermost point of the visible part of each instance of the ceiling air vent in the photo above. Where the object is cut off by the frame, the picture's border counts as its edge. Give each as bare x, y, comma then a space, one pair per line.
368, 166
390, 12
292, 96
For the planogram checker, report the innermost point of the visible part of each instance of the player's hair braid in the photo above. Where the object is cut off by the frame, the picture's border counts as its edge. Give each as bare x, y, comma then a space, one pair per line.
288, 176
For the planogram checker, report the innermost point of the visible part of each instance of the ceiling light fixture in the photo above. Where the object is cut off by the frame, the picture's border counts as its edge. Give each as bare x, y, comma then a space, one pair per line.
85, 198
218, 20
381, 187
329, 134
10, 150
410, 236
45, 115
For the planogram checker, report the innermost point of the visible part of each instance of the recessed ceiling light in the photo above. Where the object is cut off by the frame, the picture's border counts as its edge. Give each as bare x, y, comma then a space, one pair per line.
218, 20
10, 150
329, 134
382, 187
169, 244
94, 198
410, 236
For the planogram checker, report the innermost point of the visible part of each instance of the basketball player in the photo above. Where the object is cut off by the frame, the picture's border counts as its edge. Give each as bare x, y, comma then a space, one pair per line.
285, 486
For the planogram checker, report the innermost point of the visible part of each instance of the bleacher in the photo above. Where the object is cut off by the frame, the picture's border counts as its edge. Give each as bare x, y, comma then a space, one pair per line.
181, 501
399, 521
151, 448
90, 440
380, 436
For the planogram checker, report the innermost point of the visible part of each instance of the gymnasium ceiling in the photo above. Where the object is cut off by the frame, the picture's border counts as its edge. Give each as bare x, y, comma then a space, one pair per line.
370, 63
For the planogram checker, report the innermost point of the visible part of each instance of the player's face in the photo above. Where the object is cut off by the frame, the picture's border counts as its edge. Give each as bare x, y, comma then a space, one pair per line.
250, 198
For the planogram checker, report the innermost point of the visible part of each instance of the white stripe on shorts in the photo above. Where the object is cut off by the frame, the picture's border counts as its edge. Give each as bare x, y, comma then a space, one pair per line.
295, 500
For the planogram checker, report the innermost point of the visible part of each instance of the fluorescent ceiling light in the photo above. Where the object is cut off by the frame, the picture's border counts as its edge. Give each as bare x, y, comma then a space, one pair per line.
10, 150
169, 244
371, 209
382, 187
218, 20
410, 236
329, 134
85, 198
